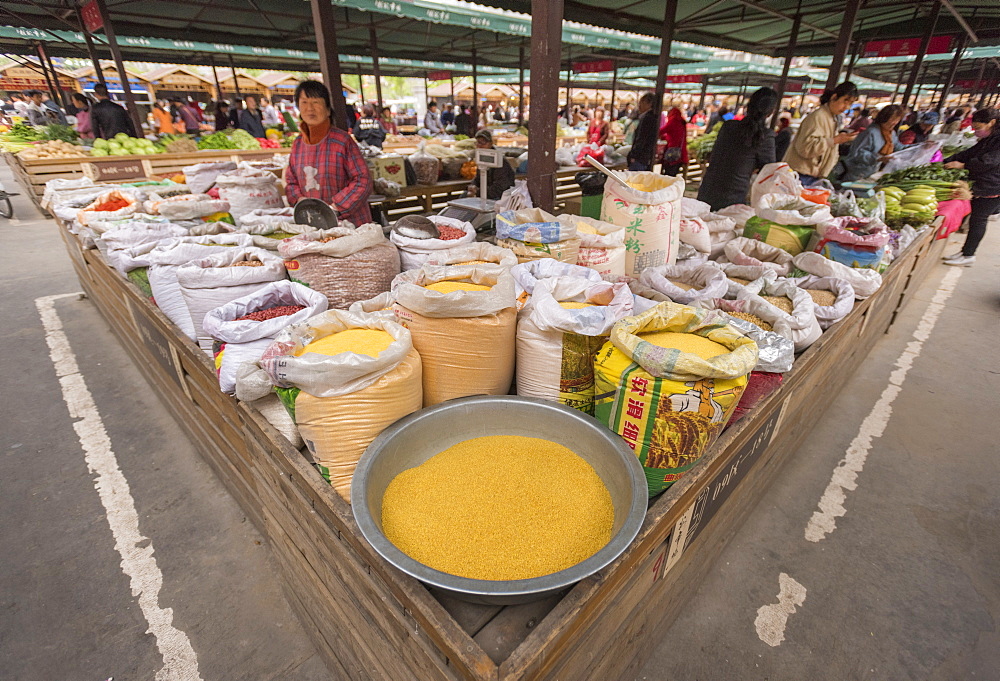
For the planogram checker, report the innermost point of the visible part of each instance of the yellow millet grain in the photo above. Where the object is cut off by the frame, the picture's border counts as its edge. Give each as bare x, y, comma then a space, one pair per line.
681, 285
452, 286
499, 507
476, 262
821, 297
753, 319
247, 263
739, 280
783, 303
369, 342
569, 305
585, 227
686, 342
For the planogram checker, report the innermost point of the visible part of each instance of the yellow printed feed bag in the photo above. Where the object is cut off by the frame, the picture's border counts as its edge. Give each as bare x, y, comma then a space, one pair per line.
559, 335
671, 403
650, 211
344, 377
465, 337
533, 234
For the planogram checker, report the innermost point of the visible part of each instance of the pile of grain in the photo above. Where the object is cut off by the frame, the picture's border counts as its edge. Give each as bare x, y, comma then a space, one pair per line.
681, 285
369, 342
783, 303
821, 297
738, 280
685, 342
452, 286
752, 318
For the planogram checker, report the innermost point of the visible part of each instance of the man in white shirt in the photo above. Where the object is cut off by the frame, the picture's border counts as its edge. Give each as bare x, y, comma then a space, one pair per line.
270, 114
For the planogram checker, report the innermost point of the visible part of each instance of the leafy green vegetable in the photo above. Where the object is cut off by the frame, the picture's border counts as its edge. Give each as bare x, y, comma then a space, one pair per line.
702, 146
64, 133
229, 139
921, 174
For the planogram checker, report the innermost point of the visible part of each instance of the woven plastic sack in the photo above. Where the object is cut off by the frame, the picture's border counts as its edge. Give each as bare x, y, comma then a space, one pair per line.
483, 255
851, 247
201, 176
414, 252
341, 403
744, 251
755, 276
705, 281
465, 338
556, 346
775, 318
533, 225
249, 190
828, 315
802, 320
355, 265
527, 275
864, 281
650, 212
695, 233
775, 178
187, 206
782, 209
271, 218
244, 340
669, 405
602, 245
88, 213
380, 305
425, 165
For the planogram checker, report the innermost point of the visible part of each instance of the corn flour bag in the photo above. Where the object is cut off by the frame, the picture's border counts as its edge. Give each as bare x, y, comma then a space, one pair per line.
485, 256
533, 234
341, 402
650, 212
670, 404
602, 245
465, 337
559, 335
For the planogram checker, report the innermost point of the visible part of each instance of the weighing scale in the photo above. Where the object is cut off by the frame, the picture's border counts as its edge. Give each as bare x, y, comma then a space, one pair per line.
480, 212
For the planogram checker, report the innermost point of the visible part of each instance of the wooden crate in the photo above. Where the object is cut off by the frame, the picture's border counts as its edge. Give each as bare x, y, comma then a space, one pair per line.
370, 621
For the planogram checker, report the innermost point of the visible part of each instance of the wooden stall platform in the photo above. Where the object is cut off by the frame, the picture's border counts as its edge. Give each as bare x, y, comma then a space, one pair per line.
371, 622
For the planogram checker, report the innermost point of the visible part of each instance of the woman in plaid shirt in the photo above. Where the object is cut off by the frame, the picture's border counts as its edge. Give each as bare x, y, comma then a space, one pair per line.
325, 162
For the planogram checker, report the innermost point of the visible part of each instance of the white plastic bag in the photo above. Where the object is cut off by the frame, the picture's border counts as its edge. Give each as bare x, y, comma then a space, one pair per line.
744, 251
515, 198
802, 320
828, 315
908, 157
790, 210
186, 206
864, 281
775, 178
708, 282
527, 275
602, 245
414, 252
201, 176
693, 208
249, 190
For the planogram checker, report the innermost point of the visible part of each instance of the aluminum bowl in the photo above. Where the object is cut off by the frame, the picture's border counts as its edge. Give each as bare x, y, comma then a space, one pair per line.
414, 439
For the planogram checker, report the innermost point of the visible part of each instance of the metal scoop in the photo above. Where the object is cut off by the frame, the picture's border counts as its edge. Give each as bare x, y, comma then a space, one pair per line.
314, 213
416, 227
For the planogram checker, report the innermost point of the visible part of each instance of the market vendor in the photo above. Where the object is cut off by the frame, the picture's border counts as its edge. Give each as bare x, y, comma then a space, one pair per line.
326, 162
498, 180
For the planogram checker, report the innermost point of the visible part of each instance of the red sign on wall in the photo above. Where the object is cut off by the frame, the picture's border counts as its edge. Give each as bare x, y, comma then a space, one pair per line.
693, 78
816, 90
793, 86
91, 14
976, 84
904, 47
593, 66
438, 75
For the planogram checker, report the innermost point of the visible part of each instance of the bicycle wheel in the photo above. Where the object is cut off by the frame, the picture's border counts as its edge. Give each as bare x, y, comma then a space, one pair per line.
6, 209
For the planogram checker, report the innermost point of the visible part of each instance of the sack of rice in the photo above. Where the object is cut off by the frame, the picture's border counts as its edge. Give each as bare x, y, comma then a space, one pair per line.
602, 245
215, 280
686, 284
244, 327
527, 275
345, 265
344, 378
744, 251
414, 252
796, 308
533, 234
667, 382
559, 335
483, 255
834, 298
864, 281
650, 212
463, 326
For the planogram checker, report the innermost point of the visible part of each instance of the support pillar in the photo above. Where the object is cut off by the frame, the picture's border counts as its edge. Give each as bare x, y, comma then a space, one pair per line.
979, 80
666, 40
236, 79
109, 32
952, 70
361, 86
546, 42
569, 85
377, 70
475, 92
843, 43
329, 61
704, 93
614, 91
520, 88
45, 64
793, 40
215, 74
924, 42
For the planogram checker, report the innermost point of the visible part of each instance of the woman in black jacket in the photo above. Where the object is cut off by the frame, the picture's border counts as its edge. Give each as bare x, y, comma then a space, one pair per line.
983, 163
741, 148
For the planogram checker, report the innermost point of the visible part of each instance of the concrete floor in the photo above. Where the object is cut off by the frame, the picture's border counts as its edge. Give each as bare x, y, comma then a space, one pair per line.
906, 587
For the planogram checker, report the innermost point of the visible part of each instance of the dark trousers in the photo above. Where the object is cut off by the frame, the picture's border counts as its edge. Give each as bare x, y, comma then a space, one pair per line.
638, 165
671, 169
982, 209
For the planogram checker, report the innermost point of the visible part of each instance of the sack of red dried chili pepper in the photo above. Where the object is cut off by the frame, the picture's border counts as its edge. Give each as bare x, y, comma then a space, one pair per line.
112, 205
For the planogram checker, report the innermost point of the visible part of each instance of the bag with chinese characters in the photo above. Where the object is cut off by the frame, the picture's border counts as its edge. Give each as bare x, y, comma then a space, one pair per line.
670, 396
650, 211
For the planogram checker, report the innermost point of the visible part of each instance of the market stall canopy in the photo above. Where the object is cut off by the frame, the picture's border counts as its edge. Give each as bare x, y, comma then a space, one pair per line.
15, 77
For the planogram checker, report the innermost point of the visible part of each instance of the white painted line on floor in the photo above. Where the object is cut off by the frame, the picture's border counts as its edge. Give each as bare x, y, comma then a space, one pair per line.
179, 660
845, 475
771, 619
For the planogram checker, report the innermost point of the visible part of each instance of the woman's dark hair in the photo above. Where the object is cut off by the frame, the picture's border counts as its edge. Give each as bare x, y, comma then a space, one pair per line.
762, 104
887, 114
315, 90
84, 99
220, 105
986, 115
845, 89
723, 110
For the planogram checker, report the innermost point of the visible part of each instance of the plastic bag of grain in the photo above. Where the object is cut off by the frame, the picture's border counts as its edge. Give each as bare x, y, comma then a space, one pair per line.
754, 312
414, 252
602, 245
112, 205
650, 211
739, 277
744, 251
186, 206
796, 307
269, 217
345, 265
201, 176
833, 297
426, 166
559, 335
686, 284
533, 234
864, 281
483, 255
213, 281
249, 190
242, 328
527, 275
463, 324
667, 382
380, 305
344, 378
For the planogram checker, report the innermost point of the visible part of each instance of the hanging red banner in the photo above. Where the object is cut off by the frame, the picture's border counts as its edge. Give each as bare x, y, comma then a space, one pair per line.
905, 47
693, 78
438, 75
793, 86
816, 90
91, 13
975, 84
593, 66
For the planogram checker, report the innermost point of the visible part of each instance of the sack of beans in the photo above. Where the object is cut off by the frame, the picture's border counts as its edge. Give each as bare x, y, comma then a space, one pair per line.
833, 298
483, 255
242, 328
414, 252
463, 323
864, 281
346, 265
744, 251
795, 306
602, 245
213, 281
760, 384
426, 166
650, 211
527, 275
667, 382
686, 284
533, 234
249, 190
344, 378
112, 205
185, 206
559, 335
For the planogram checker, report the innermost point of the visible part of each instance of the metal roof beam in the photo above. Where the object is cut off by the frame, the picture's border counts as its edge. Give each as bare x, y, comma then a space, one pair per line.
788, 17
961, 21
